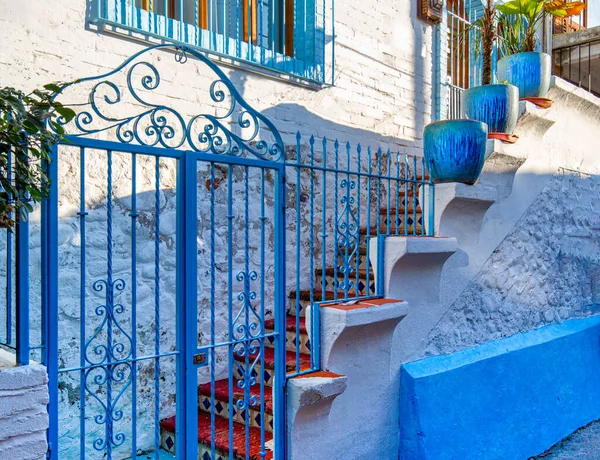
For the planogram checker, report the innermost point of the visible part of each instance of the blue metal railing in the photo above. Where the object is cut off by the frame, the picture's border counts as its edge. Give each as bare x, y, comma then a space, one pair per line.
344, 198
285, 38
14, 309
577, 60
7, 307
340, 199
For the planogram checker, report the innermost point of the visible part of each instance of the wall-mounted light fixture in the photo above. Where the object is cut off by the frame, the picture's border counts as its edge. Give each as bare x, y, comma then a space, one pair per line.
430, 11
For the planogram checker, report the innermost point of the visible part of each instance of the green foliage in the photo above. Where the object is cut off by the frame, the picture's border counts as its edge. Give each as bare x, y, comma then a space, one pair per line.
481, 34
520, 20
28, 129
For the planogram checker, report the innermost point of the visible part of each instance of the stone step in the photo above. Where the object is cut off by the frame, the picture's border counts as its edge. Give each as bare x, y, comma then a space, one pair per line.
291, 327
221, 429
221, 402
305, 298
334, 280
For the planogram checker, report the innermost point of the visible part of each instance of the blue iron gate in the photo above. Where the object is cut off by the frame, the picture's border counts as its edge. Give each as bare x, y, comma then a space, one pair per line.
163, 282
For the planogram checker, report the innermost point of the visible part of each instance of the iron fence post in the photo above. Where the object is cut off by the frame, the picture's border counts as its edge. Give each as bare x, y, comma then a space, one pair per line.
380, 264
22, 272
431, 211
50, 298
188, 305
280, 428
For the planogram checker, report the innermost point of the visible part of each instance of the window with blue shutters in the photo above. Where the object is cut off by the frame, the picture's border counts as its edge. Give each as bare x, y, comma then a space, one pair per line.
279, 37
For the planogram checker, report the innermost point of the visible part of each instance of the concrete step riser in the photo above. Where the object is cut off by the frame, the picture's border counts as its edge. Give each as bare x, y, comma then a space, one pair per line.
338, 283
204, 451
352, 260
397, 222
238, 415
395, 230
302, 304
290, 341
268, 377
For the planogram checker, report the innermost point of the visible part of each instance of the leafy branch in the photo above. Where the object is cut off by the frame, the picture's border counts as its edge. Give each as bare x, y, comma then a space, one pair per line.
29, 128
520, 21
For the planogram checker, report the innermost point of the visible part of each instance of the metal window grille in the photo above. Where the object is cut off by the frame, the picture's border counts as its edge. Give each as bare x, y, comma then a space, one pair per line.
292, 39
579, 64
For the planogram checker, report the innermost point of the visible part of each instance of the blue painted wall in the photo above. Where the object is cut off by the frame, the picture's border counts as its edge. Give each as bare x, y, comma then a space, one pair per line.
507, 399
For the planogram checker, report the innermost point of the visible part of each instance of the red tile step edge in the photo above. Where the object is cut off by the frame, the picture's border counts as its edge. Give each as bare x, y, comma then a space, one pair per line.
222, 436
290, 324
269, 355
363, 303
222, 393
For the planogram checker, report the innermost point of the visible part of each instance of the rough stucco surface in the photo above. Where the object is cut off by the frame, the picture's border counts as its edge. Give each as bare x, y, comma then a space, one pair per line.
383, 59
582, 444
382, 96
545, 271
503, 399
23, 415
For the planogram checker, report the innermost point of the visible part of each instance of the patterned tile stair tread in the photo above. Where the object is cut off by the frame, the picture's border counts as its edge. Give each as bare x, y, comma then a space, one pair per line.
269, 355
401, 229
290, 324
329, 295
411, 210
222, 393
222, 436
331, 271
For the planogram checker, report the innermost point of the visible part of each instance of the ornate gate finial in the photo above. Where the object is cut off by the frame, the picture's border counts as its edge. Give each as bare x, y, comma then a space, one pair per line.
233, 127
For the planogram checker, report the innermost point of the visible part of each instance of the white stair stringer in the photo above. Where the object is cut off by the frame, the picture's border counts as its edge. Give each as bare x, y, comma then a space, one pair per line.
480, 217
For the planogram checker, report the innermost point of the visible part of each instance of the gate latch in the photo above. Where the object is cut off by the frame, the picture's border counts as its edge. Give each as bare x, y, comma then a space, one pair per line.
201, 358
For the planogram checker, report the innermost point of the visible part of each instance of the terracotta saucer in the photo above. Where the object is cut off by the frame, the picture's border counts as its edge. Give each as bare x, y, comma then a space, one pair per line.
541, 102
506, 138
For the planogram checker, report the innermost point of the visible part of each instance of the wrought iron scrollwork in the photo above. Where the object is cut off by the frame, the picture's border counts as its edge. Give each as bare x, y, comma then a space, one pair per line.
105, 352
347, 241
158, 125
246, 325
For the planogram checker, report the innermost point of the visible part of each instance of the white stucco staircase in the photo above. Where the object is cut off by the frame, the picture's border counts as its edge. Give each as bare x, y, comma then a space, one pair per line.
345, 322
481, 216
430, 274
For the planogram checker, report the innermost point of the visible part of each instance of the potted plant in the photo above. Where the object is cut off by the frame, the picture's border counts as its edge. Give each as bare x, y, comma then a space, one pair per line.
522, 65
455, 150
496, 105
29, 128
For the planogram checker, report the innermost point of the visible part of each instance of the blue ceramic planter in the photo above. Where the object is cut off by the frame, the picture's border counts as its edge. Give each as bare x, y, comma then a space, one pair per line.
495, 105
530, 72
455, 150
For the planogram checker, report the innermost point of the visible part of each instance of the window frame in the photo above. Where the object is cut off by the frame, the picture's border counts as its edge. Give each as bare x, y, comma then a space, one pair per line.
296, 62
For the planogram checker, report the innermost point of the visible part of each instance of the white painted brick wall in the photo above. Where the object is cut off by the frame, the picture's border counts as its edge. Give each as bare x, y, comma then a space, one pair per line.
383, 85
382, 97
23, 415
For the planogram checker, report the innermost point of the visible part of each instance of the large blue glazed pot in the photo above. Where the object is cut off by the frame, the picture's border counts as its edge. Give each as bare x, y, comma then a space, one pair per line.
495, 105
530, 72
455, 150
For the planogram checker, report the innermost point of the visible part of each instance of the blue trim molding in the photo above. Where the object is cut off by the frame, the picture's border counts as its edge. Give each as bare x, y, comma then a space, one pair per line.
510, 398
